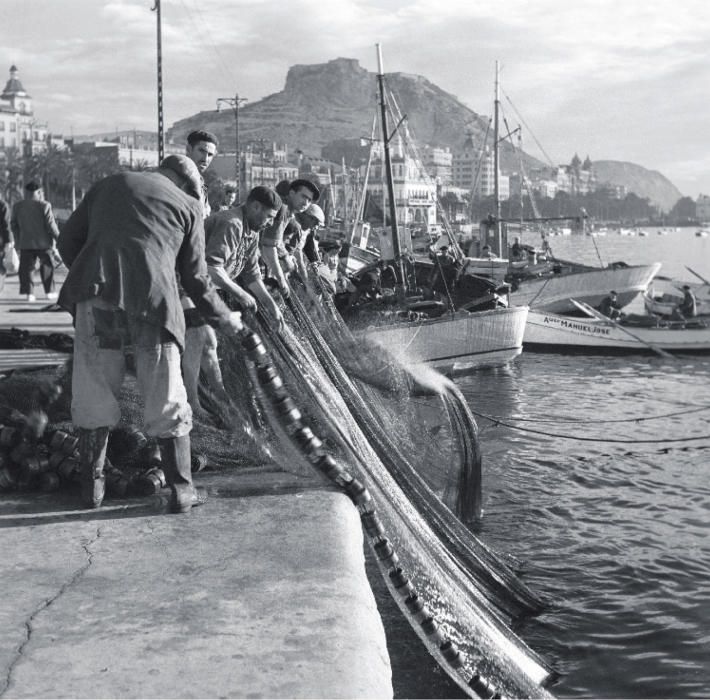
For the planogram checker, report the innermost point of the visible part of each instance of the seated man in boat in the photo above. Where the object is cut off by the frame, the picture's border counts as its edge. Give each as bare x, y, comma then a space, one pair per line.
517, 252
688, 308
610, 306
388, 275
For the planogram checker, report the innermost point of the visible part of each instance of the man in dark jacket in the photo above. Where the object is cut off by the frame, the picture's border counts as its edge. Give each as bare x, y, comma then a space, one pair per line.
124, 246
35, 235
5, 239
610, 306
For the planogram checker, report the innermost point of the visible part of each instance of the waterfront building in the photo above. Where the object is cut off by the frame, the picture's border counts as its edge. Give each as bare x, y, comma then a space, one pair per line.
474, 171
19, 128
702, 208
438, 163
414, 191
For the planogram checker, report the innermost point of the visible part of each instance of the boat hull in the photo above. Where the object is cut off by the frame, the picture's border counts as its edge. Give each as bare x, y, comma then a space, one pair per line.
455, 343
590, 286
548, 331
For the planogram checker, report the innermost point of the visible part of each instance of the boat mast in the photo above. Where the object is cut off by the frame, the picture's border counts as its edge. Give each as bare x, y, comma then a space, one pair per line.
496, 184
388, 167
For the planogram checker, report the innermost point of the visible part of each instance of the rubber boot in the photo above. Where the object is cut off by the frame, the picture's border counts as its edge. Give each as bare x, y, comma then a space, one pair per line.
177, 467
92, 456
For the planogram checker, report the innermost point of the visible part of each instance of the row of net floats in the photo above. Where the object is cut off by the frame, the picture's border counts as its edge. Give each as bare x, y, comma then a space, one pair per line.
51, 460
285, 407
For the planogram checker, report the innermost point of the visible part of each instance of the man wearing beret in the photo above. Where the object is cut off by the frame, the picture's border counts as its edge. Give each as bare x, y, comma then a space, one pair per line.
35, 234
299, 195
232, 251
124, 245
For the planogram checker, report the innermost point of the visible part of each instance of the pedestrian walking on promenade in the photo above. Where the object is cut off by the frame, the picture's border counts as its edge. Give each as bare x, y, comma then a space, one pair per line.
6, 240
35, 233
125, 245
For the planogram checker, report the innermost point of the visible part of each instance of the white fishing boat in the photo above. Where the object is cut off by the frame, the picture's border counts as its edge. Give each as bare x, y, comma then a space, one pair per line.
637, 333
551, 286
432, 316
454, 342
665, 294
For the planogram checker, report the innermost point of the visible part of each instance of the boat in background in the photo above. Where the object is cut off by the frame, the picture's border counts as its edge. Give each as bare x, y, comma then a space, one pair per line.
429, 314
454, 342
665, 294
634, 333
550, 286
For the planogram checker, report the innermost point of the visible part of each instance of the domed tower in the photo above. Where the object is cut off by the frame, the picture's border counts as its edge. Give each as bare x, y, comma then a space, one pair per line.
16, 94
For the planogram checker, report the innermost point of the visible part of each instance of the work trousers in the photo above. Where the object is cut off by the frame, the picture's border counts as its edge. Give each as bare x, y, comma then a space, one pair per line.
28, 258
102, 333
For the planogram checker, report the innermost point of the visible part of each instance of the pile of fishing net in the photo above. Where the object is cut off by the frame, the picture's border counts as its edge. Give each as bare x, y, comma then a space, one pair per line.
404, 446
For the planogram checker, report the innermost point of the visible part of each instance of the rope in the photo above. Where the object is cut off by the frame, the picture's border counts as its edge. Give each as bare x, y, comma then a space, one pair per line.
564, 436
495, 419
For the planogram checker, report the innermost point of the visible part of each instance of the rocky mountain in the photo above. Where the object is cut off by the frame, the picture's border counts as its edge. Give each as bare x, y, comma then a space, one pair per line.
324, 105
645, 183
337, 100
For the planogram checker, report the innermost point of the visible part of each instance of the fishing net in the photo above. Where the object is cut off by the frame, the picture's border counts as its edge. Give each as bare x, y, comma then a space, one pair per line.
404, 446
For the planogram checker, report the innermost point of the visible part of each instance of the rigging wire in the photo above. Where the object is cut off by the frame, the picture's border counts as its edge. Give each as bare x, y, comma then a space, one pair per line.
539, 145
562, 419
582, 438
197, 16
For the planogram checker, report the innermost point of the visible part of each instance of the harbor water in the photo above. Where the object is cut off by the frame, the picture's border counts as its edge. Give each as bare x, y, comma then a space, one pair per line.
596, 479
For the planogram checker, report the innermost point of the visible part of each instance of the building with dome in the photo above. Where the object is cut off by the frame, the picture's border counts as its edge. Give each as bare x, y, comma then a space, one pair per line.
18, 126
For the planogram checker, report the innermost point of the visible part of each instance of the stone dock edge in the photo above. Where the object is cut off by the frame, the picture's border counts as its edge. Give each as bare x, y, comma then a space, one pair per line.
260, 593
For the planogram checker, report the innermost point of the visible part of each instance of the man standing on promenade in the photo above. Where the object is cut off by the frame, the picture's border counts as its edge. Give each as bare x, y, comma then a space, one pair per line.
125, 245
200, 338
35, 235
201, 149
299, 195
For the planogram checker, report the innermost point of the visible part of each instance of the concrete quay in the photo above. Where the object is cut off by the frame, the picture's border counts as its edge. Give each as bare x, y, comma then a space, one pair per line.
260, 593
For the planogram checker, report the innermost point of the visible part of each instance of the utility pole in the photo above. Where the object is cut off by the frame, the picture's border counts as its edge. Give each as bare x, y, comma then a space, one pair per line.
234, 103
161, 130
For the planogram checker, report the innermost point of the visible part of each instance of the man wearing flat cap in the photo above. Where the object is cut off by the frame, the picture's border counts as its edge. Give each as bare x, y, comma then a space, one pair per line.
232, 251
35, 233
124, 245
299, 195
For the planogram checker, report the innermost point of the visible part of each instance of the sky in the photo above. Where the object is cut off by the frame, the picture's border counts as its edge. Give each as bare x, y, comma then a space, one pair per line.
625, 80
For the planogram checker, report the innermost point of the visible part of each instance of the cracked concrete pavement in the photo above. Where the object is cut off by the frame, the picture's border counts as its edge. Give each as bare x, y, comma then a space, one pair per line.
248, 596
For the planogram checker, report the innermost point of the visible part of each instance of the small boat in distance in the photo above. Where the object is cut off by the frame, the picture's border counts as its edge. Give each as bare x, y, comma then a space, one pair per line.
665, 294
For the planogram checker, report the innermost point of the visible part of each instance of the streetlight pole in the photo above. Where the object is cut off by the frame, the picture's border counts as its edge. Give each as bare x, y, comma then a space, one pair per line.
234, 103
161, 131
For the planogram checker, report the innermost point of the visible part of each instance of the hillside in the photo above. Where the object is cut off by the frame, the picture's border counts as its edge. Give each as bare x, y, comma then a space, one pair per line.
645, 183
337, 100
324, 104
